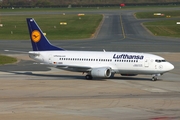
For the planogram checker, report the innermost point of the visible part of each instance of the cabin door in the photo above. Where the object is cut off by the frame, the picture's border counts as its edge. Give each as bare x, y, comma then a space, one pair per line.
146, 62
50, 58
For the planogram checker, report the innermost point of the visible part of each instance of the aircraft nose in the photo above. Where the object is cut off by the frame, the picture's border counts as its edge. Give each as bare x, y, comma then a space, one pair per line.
170, 66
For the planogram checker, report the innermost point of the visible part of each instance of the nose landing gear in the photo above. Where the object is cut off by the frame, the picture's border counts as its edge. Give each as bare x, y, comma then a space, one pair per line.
155, 77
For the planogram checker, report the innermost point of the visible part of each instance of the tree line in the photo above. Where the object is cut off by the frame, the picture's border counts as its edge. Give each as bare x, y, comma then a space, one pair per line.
64, 3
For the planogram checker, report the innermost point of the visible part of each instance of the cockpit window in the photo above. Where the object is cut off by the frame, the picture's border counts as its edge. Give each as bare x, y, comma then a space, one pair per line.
160, 61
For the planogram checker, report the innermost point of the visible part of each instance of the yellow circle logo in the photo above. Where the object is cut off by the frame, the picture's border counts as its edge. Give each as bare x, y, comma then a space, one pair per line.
36, 36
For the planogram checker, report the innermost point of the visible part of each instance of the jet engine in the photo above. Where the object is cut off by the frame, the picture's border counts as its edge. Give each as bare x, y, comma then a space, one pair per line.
101, 72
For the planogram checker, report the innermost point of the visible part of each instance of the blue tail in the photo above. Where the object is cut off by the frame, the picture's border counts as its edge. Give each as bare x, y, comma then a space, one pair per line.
38, 40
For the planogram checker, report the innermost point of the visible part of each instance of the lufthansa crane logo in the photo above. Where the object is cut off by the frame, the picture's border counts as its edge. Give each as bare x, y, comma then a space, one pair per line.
36, 36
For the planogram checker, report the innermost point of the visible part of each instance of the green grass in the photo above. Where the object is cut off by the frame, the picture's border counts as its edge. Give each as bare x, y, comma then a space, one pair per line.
7, 60
164, 28
46, 9
143, 15
65, 9
15, 27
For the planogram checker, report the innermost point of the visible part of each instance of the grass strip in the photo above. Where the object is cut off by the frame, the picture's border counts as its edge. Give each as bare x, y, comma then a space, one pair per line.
6, 60
66, 9
165, 14
77, 27
164, 28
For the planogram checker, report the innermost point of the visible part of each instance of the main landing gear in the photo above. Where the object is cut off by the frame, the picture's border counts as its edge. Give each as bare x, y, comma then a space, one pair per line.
154, 78
88, 77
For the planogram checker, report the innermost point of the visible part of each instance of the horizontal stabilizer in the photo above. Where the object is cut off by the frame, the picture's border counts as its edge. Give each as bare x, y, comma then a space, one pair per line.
15, 51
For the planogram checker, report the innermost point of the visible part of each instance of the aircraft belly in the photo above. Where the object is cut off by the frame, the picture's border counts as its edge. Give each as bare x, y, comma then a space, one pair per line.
136, 71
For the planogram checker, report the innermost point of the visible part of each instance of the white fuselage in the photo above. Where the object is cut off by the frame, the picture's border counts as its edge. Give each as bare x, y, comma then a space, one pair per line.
119, 62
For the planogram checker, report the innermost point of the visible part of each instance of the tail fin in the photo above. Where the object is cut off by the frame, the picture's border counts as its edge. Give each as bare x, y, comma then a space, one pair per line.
38, 40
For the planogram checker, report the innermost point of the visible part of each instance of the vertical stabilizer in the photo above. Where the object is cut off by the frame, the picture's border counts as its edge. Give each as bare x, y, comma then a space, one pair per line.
38, 40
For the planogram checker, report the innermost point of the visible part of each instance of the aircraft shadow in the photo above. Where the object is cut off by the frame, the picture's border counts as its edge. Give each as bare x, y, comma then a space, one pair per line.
131, 78
79, 77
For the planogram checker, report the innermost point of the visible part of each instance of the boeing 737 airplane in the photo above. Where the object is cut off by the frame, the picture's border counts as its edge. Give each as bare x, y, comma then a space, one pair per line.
95, 64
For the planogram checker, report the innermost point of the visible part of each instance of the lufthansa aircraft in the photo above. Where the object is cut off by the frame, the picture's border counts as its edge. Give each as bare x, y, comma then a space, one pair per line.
95, 64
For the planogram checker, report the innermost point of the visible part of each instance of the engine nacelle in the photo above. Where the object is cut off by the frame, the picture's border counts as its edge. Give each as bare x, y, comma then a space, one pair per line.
104, 72
128, 74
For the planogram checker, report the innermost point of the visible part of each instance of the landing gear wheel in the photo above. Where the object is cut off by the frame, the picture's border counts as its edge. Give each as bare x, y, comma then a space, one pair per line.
112, 75
88, 77
154, 78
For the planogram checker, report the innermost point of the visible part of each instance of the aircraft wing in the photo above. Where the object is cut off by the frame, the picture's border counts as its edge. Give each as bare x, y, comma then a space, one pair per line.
77, 68
74, 68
